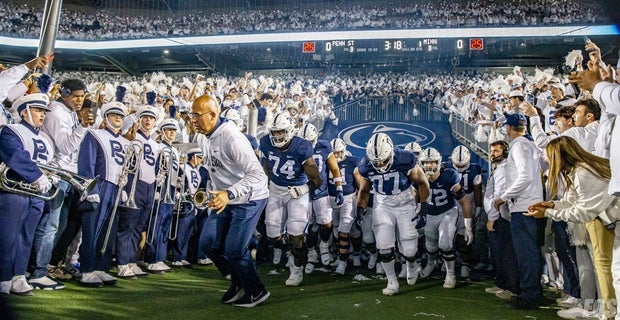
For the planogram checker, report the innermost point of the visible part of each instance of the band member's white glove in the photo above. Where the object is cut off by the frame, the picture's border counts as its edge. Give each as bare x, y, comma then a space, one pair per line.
93, 198
44, 184
156, 196
469, 233
159, 179
298, 191
54, 180
124, 196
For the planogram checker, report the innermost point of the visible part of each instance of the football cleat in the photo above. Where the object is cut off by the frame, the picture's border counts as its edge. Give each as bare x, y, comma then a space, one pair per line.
413, 271
392, 288
277, 255
341, 268
450, 281
428, 269
297, 275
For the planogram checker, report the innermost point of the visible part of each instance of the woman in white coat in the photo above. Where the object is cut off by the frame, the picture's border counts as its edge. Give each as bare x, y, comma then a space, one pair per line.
586, 180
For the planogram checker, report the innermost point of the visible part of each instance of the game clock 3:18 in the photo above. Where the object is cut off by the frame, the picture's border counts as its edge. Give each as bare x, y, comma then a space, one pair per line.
397, 45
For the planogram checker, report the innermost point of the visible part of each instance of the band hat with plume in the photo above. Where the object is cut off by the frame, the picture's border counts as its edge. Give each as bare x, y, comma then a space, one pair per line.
33, 100
169, 123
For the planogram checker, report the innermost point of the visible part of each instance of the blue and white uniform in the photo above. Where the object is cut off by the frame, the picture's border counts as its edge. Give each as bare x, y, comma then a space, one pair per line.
102, 154
394, 203
22, 147
321, 211
345, 213
442, 219
132, 222
187, 215
286, 168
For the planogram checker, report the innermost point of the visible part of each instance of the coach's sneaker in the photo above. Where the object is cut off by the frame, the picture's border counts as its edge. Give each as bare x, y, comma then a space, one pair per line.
392, 287
450, 281
326, 257
372, 261
91, 280
138, 272
20, 286
124, 272
277, 255
428, 269
46, 283
413, 271
297, 275
252, 300
107, 279
232, 294
341, 268
5, 287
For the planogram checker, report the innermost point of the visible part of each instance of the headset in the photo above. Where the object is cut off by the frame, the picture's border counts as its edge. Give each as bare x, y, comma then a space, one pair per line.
505, 147
65, 92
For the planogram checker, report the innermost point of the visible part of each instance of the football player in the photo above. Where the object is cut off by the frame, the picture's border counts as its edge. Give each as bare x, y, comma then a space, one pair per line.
389, 172
440, 226
288, 161
321, 208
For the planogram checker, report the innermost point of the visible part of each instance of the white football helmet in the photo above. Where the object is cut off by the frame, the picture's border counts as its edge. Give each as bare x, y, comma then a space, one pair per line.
413, 147
234, 116
281, 131
339, 148
460, 158
430, 161
309, 132
380, 152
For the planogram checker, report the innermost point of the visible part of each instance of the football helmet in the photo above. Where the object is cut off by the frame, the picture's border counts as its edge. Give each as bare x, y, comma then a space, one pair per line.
430, 161
309, 132
460, 158
234, 116
281, 131
413, 147
339, 148
380, 152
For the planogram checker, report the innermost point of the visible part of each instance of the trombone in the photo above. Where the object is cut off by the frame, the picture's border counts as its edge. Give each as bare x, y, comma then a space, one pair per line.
182, 198
164, 174
133, 155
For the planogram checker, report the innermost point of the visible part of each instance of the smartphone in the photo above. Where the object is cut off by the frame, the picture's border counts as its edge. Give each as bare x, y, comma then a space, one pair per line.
173, 111
587, 40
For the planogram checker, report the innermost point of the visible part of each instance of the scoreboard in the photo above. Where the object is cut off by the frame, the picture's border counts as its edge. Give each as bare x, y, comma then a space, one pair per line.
394, 45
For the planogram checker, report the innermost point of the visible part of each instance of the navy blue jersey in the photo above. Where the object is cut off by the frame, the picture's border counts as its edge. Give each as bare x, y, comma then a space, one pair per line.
441, 196
286, 166
346, 166
469, 177
321, 152
396, 179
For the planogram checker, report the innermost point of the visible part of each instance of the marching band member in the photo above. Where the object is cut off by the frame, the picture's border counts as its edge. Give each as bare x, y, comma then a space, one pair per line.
102, 154
187, 214
131, 221
157, 241
23, 146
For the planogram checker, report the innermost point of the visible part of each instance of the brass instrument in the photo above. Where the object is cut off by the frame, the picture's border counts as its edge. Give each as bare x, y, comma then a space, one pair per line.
166, 161
24, 188
182, 198
133, 154
133, 167
200, 199
81, 184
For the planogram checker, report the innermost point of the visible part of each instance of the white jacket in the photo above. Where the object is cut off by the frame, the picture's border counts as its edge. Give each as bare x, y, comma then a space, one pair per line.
608, 96
62, 125
232, 164
496, 184
523, 175
585, 200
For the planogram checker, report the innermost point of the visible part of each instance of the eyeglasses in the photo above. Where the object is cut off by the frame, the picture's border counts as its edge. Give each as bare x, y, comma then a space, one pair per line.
197, 115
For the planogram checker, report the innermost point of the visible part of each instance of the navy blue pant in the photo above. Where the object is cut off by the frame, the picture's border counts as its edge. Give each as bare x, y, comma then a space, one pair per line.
568, 257
524, 232
506, 271
19, 216
226, 240
95, 223
131, 223
157, 237
182, 225
201, 222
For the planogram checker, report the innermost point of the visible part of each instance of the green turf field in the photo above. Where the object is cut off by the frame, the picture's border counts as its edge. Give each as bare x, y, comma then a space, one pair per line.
195, 294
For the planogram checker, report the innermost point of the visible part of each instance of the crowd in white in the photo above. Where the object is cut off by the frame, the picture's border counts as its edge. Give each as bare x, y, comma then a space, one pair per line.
20, 20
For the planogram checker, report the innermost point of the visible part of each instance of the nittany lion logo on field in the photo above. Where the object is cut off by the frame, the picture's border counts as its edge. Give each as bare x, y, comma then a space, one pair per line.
401, 133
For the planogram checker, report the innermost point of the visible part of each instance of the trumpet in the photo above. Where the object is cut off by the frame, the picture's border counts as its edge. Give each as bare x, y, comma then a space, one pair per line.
200, 199
81, 184
23, 188
133, 154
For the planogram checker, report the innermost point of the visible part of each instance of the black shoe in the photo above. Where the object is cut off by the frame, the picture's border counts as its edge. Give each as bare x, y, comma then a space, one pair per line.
232, 294
519, 303
250, 300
